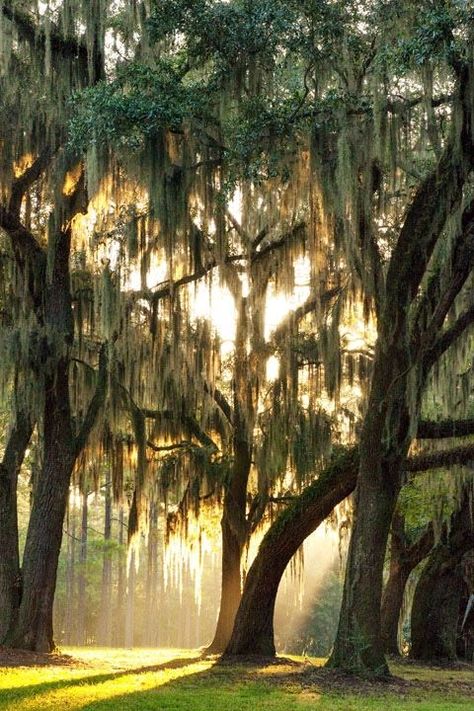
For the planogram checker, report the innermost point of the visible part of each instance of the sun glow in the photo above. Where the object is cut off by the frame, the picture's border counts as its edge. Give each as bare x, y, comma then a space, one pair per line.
21, 166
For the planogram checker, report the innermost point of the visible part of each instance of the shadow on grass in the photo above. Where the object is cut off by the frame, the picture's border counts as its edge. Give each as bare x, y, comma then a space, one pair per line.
240, 685
20, 693
229, 684
219, 688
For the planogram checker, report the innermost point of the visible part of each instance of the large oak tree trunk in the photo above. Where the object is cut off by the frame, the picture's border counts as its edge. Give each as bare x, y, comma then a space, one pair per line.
383, 449
234, 524
436, 603
34, 628
253, 630
10, 575
234, 532
435, 610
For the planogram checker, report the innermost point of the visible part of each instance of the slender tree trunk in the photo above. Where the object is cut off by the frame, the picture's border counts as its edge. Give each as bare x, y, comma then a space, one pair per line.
152, 578
253, 630
121, 589
403, 559
130, 613
392, 601
82, 577
70, 624
10, 574
106, 589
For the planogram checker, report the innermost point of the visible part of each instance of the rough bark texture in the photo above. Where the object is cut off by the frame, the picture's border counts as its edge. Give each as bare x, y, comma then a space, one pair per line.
394, 400
234, 524
34, 628
234, 529
253, 630
436, 604
403, 559
358, 645
10, 574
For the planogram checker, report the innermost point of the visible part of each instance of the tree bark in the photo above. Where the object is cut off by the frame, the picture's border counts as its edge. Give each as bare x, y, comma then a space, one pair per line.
34, 628
403, 559
253, 629
253, 632
106, 589
10, 574
358, 646
234, 525
119, 627
436, 603
436, 608
234, 532
82, 577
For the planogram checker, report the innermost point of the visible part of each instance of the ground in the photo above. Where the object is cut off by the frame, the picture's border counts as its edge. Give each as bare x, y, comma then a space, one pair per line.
179, 680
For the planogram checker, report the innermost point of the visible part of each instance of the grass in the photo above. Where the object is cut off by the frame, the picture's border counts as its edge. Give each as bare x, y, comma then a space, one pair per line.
178, 680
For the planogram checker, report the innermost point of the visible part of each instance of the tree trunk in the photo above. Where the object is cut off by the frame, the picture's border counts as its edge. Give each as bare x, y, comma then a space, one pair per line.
403, 559
106, 603
392, 600
151, 598
10, 574
435, 610
253, 630
34, 628
119, 627
383, 448
130, 612
70, 625
82, 577
436, 603
234, 532
236, 529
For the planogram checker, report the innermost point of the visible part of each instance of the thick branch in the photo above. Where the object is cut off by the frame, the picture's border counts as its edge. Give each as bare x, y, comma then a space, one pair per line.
185, 444
440, 459
28, 30
95, 404
436, 199
447, 338
189, 422
435, 304
26, 180
444, 428
310, 305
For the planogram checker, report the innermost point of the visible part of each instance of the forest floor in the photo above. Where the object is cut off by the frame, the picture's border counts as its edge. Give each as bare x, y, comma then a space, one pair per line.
180, 680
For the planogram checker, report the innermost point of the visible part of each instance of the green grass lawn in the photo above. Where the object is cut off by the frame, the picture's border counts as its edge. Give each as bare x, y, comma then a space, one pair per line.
169, 680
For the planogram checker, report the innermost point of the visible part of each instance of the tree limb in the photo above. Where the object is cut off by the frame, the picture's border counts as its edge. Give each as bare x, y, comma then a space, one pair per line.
440, 459
95, 404
444, 428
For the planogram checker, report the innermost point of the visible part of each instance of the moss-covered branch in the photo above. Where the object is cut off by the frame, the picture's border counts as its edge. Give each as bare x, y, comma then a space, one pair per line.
95, 405
444, 428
